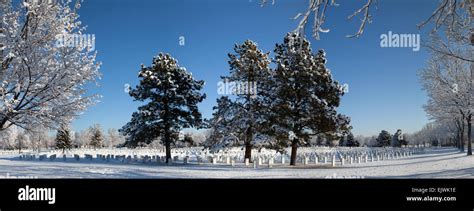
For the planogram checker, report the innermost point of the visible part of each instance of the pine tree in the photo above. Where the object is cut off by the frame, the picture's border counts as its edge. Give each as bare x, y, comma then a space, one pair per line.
172, 95
96, 137
383, 139
397, 138
351, 141
223, 132
63, 138
250, 72
305, 95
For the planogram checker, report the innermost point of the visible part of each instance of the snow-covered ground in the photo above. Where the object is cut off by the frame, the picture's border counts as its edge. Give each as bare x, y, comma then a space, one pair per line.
436, 163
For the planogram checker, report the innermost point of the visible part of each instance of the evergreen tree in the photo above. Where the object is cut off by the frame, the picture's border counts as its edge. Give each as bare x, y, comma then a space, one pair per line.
397, 139
63, 138
172, 95
383, 139
97, 137
305, 95
249, 73
223, 132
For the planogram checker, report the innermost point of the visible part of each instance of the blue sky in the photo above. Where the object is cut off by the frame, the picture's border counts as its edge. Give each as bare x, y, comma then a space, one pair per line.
384, 90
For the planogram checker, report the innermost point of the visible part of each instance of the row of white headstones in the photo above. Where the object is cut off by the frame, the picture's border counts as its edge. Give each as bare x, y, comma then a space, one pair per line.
338, 156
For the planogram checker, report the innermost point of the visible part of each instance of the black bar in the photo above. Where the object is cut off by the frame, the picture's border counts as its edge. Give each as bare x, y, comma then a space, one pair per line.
241, 193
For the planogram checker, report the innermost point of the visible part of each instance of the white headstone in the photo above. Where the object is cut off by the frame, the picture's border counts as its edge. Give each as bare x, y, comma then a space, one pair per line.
247, 162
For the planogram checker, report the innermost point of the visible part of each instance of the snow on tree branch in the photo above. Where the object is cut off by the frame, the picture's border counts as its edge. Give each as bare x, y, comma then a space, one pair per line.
319, 8
43, 83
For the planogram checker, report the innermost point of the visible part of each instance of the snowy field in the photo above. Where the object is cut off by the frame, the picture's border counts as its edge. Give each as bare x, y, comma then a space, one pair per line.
432, 163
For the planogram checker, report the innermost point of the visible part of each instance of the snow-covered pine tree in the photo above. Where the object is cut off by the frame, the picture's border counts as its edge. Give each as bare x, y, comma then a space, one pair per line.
249, 69
63, 138
397, 138
223, 133
349, 141
305, 95
172, 95
96, 137
42, 82
383, 140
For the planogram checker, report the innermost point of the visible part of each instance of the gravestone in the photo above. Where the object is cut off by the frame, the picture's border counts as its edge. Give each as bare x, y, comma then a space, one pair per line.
334, 161
247, 162
42, 157
52, 157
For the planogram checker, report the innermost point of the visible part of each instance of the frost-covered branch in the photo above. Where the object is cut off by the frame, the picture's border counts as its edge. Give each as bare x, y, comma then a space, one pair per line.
318, 8
42, 82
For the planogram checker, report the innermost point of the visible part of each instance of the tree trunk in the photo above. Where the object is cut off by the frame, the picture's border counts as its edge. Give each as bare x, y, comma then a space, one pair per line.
248, 145
248, 151
469, 124
294, 147
458, 141
167, 146
462, 136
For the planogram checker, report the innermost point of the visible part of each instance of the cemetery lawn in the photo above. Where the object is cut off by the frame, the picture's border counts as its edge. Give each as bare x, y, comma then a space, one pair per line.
438, 163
